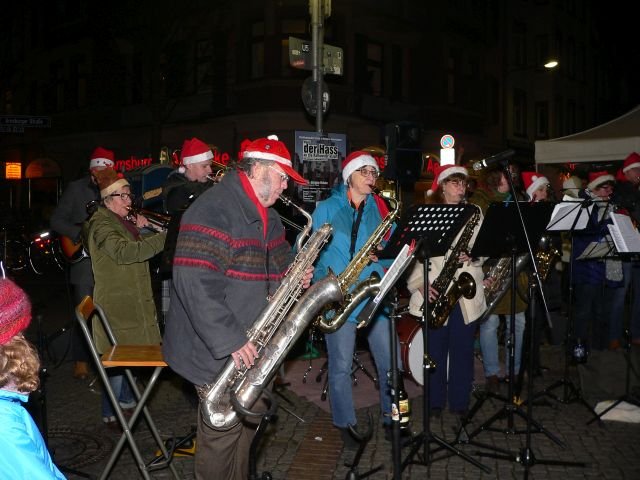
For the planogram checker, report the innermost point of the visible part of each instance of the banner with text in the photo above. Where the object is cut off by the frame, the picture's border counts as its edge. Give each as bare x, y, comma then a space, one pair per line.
319, 158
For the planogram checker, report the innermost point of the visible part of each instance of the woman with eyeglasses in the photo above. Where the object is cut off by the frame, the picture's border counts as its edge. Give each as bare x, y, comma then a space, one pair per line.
451, 345
354, 214
120, 256
596, 280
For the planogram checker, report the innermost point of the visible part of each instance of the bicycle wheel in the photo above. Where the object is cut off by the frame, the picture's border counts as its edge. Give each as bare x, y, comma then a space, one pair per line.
15, 255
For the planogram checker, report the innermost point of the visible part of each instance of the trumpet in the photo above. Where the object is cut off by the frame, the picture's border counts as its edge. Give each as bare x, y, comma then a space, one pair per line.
219, 173
157, 220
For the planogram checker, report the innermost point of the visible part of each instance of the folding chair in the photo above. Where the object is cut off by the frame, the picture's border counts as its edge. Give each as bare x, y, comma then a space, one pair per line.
126, 356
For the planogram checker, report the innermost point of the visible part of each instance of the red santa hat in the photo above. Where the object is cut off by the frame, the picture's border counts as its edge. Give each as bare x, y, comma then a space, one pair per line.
443, 172
271, 148
356, 160
598, 178
632, 161
101, 157
15, 310
194, 150
533, 181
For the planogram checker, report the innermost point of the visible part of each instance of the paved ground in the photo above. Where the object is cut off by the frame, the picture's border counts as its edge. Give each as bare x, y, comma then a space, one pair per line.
312, 449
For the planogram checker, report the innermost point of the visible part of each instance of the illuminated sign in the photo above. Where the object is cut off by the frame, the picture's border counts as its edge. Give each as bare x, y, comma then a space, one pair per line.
132, 163
13, 171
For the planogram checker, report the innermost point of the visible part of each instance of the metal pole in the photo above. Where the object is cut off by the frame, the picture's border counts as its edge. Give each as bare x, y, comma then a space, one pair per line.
317, 38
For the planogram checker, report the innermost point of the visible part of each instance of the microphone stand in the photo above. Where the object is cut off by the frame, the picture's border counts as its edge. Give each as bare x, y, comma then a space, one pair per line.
525, 456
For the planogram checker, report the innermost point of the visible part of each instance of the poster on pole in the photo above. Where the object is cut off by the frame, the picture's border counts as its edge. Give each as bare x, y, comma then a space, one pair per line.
319, 157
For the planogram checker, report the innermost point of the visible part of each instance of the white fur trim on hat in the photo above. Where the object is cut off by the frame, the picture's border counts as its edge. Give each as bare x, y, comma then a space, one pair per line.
197, 158
593, 184
357, 163
100, 162
444, 174
630, 166
536, 184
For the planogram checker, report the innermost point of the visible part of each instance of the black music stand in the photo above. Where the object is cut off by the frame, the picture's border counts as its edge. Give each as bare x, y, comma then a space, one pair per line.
525, 456
501, 234
569, 216
433, 228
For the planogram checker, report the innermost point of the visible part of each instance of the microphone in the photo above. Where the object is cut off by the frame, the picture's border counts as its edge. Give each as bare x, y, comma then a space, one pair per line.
497, 158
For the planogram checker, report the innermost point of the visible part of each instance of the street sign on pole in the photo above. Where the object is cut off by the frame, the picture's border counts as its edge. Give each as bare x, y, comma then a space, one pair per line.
301, 56
309, 100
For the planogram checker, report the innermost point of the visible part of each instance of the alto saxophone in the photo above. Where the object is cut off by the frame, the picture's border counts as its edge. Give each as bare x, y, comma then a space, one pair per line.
334, 316
464, 285
234, 391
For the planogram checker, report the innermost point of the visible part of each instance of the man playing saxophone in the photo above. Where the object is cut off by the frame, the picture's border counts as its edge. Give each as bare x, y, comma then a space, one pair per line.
354, 214
231, 254
454, 339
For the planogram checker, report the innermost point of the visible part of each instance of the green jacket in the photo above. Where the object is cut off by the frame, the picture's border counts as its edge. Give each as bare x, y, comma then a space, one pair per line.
122, 280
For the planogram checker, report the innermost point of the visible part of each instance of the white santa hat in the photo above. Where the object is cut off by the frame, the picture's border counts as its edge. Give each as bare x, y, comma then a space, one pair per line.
443, 172
533, 181
194, 150
101, 157
356, 160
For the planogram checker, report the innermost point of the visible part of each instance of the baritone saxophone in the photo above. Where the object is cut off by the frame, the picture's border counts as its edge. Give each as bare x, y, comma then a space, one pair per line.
234, 391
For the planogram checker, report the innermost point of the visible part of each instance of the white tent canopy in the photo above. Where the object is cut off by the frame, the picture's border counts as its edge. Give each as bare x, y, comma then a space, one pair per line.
610, 141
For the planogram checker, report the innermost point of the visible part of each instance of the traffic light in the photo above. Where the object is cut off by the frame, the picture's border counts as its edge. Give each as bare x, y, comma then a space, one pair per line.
404, 151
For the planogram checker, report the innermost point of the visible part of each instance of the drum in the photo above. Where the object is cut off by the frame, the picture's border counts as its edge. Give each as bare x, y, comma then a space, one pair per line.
411, 346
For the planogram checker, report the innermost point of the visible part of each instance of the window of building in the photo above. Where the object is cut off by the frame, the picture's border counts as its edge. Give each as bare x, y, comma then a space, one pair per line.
571, 57
542, 120
451, 78
520, 113
204, 65
542, 50
571, 117
257, 50
519, 45
291, 27
559, 117
78, 77
374, 68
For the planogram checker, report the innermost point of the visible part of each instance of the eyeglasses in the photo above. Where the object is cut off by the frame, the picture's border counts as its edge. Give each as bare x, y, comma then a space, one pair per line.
368, 172
458, 182
283, 176
123, 196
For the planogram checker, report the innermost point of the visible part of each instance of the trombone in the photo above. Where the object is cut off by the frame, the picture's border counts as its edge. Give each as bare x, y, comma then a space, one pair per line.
157, 220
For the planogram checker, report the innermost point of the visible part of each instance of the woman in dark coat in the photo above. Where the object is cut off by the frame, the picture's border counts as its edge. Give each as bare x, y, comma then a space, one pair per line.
120, 260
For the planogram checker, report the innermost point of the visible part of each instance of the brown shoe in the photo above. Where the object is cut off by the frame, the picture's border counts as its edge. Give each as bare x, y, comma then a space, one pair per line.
614, 345
80, 370
493, 383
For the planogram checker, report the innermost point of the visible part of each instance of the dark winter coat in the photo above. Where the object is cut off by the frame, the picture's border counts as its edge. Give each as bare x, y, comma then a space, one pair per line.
224, 269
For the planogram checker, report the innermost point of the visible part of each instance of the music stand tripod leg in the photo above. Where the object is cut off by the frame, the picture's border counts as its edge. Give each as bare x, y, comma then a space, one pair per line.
426, 437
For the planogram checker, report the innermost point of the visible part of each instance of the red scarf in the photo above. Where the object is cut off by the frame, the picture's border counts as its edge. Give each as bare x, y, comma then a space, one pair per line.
262, 211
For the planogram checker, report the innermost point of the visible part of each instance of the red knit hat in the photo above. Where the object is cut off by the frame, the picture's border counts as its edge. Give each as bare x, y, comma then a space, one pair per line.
533, 181
598, 178
356, 160
15, 310
194, 150
271, 148
443, 172
632, 161
101, 157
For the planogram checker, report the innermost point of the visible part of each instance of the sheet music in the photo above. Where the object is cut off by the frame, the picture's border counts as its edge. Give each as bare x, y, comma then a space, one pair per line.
597, 250
398, 267
565, 213
624, 234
